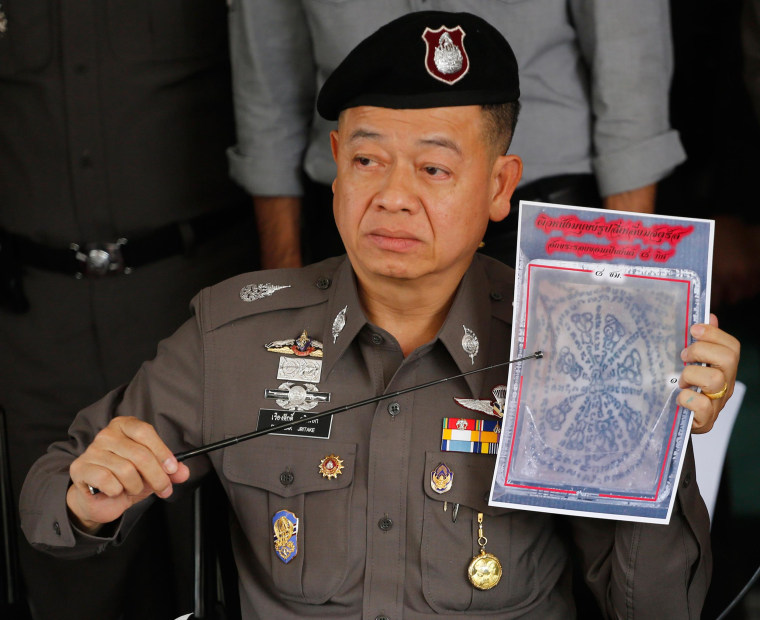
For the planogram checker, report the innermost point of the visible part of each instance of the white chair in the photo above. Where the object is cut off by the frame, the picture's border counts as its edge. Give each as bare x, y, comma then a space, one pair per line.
710, 449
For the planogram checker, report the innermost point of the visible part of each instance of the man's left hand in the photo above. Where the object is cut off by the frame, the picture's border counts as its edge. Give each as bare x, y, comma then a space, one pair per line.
712, 362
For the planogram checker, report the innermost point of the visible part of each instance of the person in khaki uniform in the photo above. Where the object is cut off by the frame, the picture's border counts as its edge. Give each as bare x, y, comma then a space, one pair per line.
362, 514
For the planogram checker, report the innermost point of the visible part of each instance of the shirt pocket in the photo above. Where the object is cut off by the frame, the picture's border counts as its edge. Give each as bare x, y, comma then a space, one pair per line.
448, 547
28, 43
162, 30
280, 473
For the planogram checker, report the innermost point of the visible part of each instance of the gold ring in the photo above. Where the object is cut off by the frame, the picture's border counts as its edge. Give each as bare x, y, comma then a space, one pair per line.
717, 395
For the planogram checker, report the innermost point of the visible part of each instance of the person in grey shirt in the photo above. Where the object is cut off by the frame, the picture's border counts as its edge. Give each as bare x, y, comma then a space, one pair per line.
595, 79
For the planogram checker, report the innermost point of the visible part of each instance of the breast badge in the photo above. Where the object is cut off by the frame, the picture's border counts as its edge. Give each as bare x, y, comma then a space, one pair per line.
494, 407
441, 479
303, 346
331, 466
297, 397
285, 527
303, 369
469, 435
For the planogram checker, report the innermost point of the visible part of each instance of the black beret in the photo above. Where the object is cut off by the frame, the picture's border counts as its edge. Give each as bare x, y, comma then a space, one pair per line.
426, 59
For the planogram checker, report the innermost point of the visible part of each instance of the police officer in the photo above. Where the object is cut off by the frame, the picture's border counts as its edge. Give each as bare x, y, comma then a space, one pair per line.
115, 208
364, 515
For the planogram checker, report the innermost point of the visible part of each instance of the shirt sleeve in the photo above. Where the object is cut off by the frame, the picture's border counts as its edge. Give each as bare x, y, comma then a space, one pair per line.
274, 90
643, 570
628, 49
168, 393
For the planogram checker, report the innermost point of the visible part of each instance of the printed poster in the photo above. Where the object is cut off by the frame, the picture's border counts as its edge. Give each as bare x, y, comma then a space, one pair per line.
593, 427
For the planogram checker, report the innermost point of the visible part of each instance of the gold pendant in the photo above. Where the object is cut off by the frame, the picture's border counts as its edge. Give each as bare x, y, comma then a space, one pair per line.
484, 571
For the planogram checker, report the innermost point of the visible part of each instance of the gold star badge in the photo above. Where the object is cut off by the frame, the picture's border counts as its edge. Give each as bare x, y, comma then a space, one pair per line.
331, 466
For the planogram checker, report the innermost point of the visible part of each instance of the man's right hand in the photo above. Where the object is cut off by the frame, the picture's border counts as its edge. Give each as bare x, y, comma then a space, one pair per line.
127, 462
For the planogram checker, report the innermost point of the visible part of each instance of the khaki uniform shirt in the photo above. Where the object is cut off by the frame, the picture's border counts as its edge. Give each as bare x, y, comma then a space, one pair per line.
375, 540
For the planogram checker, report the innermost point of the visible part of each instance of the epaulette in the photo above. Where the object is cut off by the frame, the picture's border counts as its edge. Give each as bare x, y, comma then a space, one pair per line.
257, 292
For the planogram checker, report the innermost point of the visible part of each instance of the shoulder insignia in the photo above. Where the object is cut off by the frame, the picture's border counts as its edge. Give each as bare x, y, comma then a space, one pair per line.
252, 292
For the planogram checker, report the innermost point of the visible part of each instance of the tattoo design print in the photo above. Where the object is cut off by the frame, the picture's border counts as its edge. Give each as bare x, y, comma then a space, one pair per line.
601, 409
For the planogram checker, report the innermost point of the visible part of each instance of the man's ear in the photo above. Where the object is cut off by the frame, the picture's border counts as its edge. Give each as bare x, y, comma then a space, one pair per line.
334, 144
334, 148
506, 173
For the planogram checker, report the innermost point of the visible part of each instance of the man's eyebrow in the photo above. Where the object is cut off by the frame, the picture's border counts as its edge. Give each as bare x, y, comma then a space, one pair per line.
443, 142
363, 134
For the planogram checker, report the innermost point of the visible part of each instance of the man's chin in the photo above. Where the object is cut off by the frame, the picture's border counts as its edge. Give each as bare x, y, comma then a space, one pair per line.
397, 269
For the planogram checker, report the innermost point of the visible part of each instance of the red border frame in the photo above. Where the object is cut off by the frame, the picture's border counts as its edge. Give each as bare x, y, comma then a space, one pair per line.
519, 393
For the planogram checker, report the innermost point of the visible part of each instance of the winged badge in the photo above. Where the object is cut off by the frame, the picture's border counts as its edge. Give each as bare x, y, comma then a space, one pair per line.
494, 407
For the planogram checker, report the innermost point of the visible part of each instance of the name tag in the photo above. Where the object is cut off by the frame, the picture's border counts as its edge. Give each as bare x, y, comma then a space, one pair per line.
319, 428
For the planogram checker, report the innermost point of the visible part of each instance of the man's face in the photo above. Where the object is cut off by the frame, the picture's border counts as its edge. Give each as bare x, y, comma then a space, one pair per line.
415, 189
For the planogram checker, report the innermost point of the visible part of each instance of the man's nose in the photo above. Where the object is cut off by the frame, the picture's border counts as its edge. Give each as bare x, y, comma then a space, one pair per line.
398, 193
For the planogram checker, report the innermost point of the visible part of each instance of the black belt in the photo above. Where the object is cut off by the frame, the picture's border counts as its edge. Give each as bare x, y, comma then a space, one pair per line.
129, 252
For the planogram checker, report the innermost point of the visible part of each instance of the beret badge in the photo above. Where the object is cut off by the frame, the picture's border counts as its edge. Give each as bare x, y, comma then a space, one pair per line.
445, 57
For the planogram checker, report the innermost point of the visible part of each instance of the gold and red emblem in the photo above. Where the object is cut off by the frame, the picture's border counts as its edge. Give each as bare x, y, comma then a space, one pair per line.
331, 466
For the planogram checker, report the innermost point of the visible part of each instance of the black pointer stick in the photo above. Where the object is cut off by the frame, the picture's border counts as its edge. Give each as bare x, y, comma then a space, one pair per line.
181, 456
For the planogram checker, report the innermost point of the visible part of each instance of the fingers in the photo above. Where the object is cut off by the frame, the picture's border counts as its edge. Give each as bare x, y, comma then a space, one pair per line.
712, 361
705, 413
127, 461
712, 346
135, 456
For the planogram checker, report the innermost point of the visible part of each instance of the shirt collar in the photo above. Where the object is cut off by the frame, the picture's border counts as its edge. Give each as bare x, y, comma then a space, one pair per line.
466, 332
342, 309
468, 322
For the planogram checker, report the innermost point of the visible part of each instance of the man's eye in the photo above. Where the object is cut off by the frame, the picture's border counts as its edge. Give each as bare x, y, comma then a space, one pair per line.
363, 161
434, 171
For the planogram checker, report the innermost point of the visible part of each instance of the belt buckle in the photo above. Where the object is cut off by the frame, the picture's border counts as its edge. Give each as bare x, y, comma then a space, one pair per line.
100, 259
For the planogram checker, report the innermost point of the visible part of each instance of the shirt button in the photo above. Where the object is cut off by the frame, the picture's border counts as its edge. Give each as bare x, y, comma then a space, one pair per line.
377, 339
80, 68
394, 409
57, 528
686, 479
497, 295
85, 160
323, 283
286, 478
385, 524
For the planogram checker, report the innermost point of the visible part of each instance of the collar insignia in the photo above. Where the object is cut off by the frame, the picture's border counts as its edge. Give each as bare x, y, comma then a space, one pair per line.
338, 324
470, 343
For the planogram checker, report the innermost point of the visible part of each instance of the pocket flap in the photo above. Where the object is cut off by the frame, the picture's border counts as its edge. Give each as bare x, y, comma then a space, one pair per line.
471, 483
288, 466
